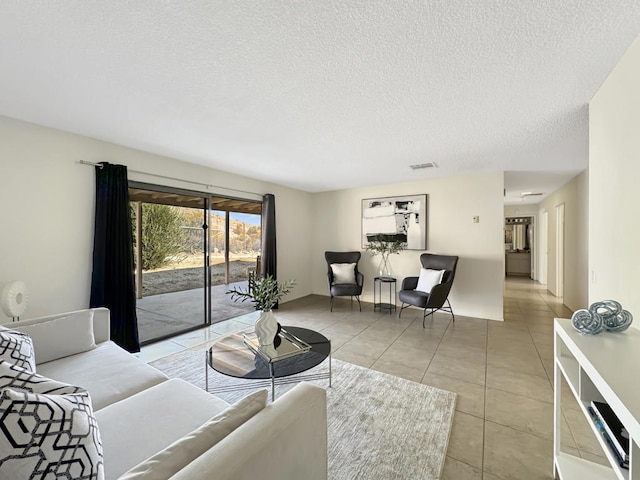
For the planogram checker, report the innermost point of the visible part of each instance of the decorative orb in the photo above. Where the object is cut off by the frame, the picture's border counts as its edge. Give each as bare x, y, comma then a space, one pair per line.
587, 322
615, 319
619, 323
608, 310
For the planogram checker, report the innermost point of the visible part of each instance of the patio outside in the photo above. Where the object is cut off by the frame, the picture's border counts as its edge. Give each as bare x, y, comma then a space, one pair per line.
167, 313
173, 298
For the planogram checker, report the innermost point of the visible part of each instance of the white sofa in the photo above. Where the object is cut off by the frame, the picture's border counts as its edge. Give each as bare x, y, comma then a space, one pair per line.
141, 412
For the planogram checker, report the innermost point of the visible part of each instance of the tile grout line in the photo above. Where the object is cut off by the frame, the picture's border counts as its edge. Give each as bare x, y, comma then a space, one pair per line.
436, 351
386, 349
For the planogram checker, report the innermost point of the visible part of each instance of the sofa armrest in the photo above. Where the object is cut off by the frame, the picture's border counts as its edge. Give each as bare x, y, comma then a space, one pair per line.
288, 439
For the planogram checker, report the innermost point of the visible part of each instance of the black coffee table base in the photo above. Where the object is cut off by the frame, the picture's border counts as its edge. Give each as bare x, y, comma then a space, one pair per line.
256, 384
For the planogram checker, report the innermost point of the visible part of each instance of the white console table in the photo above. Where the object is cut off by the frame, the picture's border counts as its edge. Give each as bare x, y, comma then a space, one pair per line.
606, 368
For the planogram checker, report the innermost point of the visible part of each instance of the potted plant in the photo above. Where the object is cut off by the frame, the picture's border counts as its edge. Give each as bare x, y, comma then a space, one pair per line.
264, 292
384, 245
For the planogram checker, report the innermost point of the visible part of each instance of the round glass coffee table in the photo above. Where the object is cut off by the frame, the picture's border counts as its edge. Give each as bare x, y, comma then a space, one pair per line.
231, 356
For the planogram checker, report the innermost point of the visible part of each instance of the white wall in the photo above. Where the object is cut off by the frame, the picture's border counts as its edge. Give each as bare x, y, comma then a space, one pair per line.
47, 203
452, 203
575, 197
524, 210
614, 165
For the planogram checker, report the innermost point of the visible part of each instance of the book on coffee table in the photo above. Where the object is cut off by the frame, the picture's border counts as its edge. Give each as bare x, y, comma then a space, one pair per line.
290, 345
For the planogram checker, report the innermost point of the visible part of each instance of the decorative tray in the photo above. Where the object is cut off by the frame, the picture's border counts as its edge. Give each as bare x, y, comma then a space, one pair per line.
290, 345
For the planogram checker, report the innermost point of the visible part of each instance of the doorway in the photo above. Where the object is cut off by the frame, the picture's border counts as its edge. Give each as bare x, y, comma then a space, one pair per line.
560, 250
519, 246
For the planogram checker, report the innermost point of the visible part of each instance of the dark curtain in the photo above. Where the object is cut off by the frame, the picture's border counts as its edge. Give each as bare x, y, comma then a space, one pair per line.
269, 263
112, 280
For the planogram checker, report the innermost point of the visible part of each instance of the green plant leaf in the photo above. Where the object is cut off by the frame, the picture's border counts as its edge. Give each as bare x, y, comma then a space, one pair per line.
264, 292
380, 244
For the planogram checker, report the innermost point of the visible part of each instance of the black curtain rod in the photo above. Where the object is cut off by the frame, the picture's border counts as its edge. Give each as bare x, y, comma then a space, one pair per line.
206, 185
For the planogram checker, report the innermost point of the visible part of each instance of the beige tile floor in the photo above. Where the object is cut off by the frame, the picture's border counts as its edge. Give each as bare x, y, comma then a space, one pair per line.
501, 371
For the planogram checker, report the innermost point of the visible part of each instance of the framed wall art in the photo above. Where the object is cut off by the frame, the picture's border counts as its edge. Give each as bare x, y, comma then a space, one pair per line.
397, 218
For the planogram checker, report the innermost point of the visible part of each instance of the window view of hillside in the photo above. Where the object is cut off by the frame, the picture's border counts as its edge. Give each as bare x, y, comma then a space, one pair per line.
173, 245
244, 230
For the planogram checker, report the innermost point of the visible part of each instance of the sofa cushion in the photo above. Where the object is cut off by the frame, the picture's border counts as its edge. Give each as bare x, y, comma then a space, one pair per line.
17, 348
180, 453
107, 372
152, 420
428, 279
62, 336
21, 379
49, 436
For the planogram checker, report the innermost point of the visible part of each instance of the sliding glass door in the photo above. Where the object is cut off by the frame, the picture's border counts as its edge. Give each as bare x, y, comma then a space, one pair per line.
235, 241
170, 245
190, 248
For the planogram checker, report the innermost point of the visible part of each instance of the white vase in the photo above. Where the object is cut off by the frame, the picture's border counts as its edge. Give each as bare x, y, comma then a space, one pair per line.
266, 327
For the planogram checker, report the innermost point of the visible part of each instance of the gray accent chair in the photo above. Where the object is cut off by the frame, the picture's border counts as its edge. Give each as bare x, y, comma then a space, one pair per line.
436, 299
344, 289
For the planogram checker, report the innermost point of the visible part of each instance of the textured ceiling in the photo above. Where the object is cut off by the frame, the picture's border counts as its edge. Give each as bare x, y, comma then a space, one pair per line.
320, 94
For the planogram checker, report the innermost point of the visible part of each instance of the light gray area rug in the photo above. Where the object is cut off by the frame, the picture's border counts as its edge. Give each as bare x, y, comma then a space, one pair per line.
379, 426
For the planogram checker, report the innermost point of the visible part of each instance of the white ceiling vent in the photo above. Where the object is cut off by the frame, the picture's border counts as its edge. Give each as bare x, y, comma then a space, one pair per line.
424, 165
530, 194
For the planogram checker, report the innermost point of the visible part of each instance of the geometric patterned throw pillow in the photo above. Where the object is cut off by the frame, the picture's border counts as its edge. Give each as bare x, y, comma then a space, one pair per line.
22, 380
49, 437
17, 348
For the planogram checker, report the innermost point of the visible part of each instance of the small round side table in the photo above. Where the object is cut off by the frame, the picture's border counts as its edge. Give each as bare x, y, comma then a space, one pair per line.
378, 304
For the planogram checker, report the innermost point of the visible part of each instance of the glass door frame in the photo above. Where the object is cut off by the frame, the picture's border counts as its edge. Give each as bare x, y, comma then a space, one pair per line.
208, 207
206, 197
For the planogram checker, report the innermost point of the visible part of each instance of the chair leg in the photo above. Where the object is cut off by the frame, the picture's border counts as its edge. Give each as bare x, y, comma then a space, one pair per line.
453, 317
434, 310
359, 304
448, 309
331, 309
425, 315
402, 308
